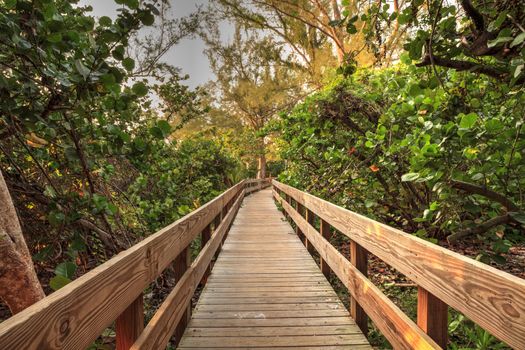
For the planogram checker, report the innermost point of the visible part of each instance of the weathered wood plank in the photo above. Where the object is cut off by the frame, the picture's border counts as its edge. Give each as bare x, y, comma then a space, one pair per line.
266, 291
492, 298
358, 258
130, 324
432, 317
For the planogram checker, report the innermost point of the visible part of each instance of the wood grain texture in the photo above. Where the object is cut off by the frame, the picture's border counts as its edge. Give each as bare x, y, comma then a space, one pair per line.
180, 267
432, 317
397, 327
358, 258
159, 330
74, 316
130, 324
266, 291
491, 298
325, 231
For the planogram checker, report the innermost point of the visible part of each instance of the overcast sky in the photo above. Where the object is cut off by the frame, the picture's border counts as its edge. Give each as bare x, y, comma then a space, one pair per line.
188, 55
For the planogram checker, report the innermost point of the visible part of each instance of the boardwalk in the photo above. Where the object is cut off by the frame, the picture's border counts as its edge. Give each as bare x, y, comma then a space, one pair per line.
266, 291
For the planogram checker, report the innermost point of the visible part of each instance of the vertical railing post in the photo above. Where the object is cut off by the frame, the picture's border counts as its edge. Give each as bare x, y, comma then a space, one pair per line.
287, 199
310, 217
359, 258
205, 237
325, 232
180, 265
300, 209
130, 324
432, 316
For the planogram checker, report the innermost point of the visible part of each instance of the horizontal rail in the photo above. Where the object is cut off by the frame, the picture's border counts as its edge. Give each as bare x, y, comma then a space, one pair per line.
160, 329
398, 328
74, 316
491, 298
253, 185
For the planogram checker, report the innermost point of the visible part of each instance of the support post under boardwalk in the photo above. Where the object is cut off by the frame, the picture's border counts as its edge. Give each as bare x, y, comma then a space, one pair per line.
432, 316
180, 265
130, 324
359, 258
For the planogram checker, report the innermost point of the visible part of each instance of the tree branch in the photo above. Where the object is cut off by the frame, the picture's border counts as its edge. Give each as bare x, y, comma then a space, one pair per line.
479, 229
461, 65
485, 192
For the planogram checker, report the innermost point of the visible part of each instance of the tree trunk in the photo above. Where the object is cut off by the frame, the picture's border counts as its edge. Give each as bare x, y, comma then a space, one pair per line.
338, 33
19, 285
261, 167
261, 161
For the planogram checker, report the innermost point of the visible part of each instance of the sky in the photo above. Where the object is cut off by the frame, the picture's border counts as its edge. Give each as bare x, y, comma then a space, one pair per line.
188, 54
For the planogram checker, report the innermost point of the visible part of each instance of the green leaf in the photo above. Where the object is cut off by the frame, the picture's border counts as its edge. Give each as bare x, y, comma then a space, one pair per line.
56, 218
10, 4
128, 63
147, 19
518, 216
58, 282
499, 40
165, 127
66, 269
105, 21
140, 89
54, 38
81, 69
518, 40
409, 177
468, 120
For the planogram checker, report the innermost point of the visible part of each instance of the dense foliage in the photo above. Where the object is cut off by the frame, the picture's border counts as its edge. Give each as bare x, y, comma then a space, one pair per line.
91, 167
434, 162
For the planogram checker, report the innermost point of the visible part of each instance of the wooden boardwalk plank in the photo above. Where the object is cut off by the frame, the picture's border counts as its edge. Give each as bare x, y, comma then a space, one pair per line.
266, 292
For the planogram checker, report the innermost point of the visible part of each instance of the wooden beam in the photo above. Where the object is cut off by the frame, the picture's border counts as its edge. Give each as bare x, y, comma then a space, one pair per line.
180, 265
358, 258
489, 297
130, 324
325, 232
310, 218
205, 237
300, 209
432, 316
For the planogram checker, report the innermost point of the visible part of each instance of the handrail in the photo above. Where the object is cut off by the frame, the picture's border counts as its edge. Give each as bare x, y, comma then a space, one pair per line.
74, 316
491, 298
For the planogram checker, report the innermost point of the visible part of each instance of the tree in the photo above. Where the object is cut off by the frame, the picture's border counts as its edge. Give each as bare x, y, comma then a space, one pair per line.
17, 272
253, 84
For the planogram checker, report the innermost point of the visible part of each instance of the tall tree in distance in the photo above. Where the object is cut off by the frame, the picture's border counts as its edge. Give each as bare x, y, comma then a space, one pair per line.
254, 82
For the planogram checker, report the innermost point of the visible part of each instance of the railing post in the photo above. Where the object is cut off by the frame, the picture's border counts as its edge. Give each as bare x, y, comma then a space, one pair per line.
130, 324
310, 217
325, 232
432, 316
205, 237
287, 199
180, 265
300, 209
359, 258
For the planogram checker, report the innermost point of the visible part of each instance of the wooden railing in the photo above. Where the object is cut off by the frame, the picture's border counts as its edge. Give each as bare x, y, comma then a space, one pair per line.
75, 316
491, 298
